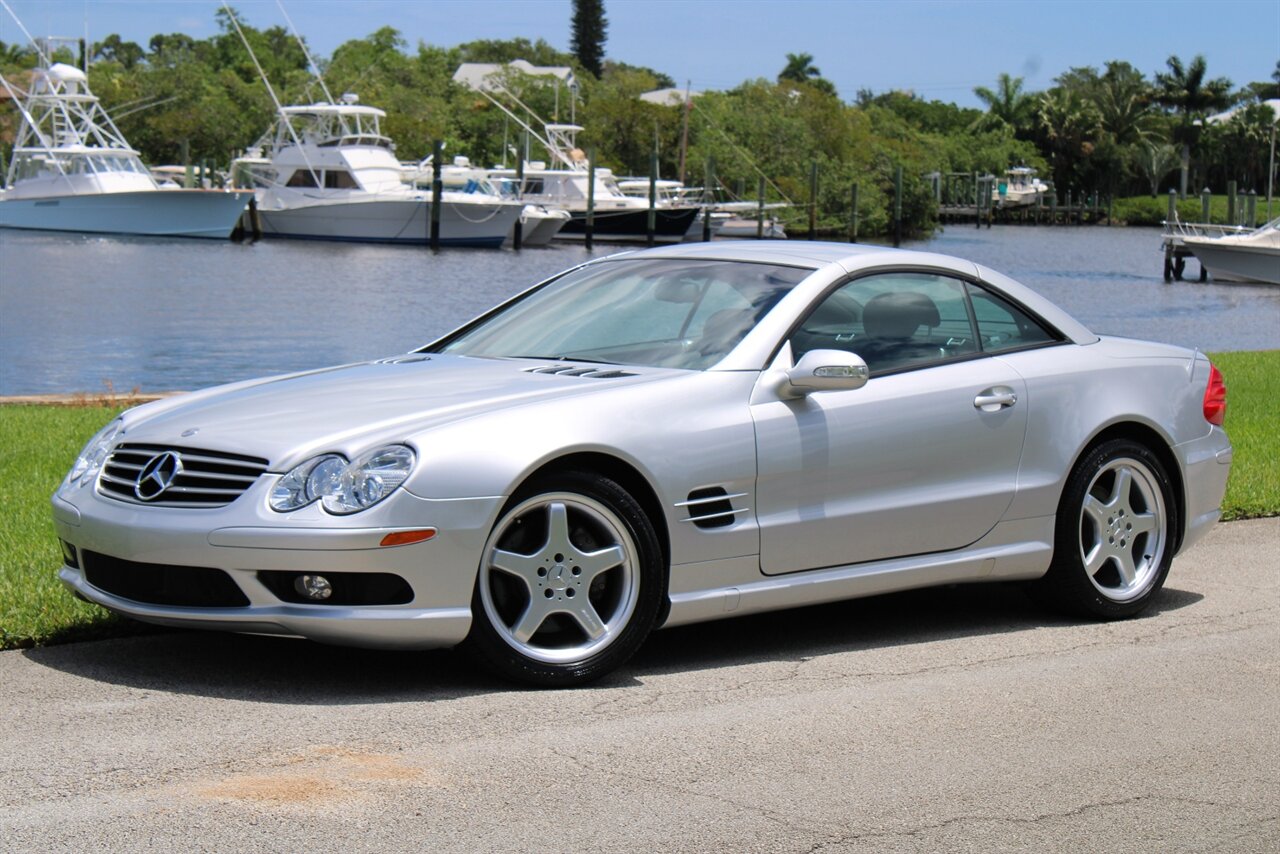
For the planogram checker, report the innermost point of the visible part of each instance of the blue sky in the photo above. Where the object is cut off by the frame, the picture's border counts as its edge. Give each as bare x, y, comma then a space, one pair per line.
937, 48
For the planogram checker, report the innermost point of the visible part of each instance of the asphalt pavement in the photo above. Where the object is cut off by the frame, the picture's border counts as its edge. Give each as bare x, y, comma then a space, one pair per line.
954, 719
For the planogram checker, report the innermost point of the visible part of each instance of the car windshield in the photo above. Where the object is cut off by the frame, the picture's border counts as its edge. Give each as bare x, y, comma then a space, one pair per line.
675, 313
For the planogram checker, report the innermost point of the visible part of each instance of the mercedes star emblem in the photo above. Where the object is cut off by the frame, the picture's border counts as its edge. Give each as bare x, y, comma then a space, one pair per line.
158, 475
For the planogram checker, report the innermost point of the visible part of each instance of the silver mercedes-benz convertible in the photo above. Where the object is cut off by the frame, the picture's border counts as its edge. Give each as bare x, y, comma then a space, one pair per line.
659, 438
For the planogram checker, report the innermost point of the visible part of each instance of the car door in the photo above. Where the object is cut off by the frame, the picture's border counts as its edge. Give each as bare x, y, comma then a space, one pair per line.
923, 458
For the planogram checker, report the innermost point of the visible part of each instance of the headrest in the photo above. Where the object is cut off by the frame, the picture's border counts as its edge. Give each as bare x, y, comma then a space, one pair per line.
898, 314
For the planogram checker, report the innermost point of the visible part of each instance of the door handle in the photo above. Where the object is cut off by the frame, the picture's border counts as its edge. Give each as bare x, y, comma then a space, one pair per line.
994, 399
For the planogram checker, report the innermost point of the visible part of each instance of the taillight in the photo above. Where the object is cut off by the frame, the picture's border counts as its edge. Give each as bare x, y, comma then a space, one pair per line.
1215, 397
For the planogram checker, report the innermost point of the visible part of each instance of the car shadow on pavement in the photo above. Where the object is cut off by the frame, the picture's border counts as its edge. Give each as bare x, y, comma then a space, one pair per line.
891, 620
292, 672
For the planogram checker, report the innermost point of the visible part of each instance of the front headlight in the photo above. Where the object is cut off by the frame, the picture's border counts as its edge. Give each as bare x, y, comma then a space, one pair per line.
341, 487
93, 455
307, 483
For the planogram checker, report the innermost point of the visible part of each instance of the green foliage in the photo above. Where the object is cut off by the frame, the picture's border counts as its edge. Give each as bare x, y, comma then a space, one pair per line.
1008, 107
1154, 210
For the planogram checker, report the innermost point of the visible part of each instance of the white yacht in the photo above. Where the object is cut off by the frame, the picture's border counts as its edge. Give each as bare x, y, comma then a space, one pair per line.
326, 172
733, 219
72, 170
1248, 256
618, 217
538, 223
1020, 187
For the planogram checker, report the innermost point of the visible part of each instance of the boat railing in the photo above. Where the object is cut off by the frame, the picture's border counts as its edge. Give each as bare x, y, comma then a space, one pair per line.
1179, 229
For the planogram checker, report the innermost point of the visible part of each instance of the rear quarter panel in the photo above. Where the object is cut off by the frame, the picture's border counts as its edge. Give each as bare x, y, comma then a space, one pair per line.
1076, 392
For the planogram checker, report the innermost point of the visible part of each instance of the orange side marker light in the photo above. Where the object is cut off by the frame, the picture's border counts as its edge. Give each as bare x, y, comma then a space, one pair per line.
404, 538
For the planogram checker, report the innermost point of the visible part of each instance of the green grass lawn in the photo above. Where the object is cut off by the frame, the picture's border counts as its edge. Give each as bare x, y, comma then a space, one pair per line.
1253, 423
39, 443
37, 446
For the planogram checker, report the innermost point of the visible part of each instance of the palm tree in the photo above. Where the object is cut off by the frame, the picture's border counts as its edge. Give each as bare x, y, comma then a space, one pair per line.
1153, 161
1123, 99
1007, 106
1068, 126
1185, 91
799, 68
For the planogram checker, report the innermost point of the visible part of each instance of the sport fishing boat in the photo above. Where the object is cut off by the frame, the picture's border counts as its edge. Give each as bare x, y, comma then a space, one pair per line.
72, 170
1020, 187
326, 172
1247, 256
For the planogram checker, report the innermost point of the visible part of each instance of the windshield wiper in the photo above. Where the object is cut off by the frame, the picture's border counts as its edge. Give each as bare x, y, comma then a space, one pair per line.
567, 359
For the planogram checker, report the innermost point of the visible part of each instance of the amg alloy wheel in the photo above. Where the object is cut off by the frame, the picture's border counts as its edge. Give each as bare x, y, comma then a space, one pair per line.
570, 582
1115, 532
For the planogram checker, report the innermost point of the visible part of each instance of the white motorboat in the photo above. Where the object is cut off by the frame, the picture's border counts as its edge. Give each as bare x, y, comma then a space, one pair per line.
538, 223
617, 217
72, 170
1249, 256
1020, 187
326, 172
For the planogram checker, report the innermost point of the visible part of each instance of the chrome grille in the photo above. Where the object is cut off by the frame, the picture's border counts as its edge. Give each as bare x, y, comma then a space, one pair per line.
207, 478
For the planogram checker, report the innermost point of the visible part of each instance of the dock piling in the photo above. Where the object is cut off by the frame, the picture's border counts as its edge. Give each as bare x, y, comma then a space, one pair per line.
708, 197
813, 199
897, 206
517, 231
437, 192
1205, 198
853, 214
1251, 209
589, 228
760, 212
652, 223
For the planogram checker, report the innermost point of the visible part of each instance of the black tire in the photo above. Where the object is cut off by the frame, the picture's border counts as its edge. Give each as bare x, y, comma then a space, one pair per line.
1114, 539
570, 555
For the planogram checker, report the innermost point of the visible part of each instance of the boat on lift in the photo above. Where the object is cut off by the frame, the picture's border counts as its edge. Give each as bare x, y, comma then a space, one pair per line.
1019, 188
73, 170
325, 171
1236, 256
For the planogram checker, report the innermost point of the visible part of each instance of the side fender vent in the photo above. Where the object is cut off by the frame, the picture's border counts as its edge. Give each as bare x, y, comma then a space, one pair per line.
712, 507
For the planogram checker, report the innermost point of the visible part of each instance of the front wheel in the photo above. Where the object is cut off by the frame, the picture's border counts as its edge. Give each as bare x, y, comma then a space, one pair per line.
1115, 531
570, 582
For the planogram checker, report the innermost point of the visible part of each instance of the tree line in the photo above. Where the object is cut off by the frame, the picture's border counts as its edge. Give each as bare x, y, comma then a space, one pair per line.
1112, 131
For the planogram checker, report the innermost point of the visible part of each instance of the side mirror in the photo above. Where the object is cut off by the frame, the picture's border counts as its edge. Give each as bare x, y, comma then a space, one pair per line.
827, 370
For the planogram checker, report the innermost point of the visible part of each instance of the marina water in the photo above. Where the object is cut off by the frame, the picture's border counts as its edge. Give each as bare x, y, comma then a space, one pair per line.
88, 313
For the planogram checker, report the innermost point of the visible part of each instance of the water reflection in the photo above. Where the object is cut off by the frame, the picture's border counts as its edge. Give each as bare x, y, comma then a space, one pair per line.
78, 312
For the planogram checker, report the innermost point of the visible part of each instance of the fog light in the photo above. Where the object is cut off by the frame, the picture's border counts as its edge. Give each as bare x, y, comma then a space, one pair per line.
314, 587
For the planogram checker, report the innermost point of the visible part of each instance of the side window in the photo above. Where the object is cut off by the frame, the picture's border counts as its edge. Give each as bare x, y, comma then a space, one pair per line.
1004, 326
339, 179
893, 321
301, 178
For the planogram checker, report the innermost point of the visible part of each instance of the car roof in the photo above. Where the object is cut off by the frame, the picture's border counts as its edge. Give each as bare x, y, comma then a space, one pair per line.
856, 257
803, 253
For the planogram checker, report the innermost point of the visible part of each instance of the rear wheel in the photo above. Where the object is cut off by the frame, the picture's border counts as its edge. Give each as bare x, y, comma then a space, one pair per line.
569, 584
1115, 533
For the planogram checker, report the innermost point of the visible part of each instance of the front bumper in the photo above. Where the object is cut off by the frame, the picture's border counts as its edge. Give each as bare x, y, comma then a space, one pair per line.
246, 537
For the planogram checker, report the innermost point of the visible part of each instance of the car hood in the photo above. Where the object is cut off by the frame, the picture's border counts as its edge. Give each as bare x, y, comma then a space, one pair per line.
350, 408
